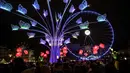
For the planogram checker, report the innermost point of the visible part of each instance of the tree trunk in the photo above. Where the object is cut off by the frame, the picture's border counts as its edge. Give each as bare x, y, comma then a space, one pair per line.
55, 54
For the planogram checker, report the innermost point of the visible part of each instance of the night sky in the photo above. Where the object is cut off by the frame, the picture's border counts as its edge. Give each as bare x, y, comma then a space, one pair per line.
115, 10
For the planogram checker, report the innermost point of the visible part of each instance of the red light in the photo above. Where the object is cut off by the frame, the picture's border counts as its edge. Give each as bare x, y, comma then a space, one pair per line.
47, 52
102, 45
18, 54
65, 48
61, 53
95, 52
26, 52
19, 49
45, 56
80, 52
64, 55
96, 47
86, 54
42, 54
65, 51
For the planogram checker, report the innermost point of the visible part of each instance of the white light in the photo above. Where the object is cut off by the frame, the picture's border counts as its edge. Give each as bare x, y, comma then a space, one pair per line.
57, 57
125, 58
87, 32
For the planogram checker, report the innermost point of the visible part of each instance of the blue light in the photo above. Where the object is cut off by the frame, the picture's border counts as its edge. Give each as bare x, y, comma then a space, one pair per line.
36, 5
83, 5
72, 9
14, 27
24, 25
101, 18
21, 9
84, 25
5, 6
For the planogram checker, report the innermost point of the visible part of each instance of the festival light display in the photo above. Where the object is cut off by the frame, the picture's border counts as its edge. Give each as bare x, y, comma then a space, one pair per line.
60, 26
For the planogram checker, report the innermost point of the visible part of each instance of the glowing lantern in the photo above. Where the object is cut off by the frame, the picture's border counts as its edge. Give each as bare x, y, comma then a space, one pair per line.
45, 55
96, 47
64, 55
42, 54
85, 54
26, 52
47, 52
101, 45
95, 52
19, 49
65, 48
80, 52
65, 51
18, 54
61, 53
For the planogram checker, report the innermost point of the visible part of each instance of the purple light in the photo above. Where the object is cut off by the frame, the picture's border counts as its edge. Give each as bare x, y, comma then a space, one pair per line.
33, 23
72, 9
59, 15
67, 41
79, 21
45, 13
65, 1
42, 41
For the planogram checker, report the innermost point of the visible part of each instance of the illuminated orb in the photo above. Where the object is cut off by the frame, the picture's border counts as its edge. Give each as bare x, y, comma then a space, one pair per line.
87, 32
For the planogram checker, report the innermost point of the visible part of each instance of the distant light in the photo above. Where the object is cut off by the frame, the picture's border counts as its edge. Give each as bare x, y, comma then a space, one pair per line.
111, 49
101, 45
26, 52
87, 32
125, 58
47, 52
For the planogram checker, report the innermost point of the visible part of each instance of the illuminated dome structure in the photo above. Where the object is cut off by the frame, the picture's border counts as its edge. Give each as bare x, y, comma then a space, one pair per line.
58, 28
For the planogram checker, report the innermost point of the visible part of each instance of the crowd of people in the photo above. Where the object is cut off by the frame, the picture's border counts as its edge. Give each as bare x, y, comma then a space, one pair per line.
66, 66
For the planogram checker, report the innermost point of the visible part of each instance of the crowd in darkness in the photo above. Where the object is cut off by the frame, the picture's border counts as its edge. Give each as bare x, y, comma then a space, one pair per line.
66, 66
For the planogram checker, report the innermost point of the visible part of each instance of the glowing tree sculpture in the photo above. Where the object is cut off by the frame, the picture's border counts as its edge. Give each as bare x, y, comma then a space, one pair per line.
69, 22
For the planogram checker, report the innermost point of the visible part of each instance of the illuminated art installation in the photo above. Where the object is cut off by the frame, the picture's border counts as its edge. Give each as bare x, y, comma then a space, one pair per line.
64, 25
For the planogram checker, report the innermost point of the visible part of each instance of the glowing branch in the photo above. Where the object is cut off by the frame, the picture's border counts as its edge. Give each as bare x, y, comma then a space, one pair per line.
53, 29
